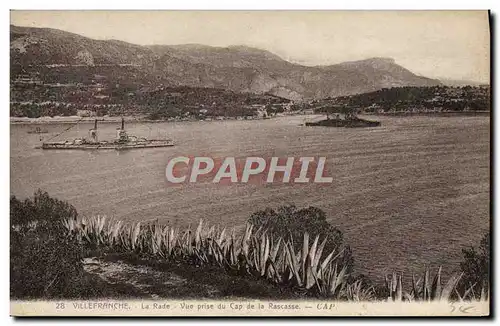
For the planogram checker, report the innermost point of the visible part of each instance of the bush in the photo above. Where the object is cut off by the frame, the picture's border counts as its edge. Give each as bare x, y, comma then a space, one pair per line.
290, 223
44, 262
476, 267
43, 210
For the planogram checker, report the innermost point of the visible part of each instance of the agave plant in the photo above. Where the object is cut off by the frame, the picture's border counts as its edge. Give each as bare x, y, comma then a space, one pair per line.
261, 251
423, 289
305, 268
395, 287
357, 291
129, 237
333, 282
257, 253
114, 233
170, 242
231, 253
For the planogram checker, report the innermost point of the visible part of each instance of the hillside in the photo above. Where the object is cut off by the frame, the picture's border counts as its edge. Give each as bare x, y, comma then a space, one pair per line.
412, 99
55, 55
161, 102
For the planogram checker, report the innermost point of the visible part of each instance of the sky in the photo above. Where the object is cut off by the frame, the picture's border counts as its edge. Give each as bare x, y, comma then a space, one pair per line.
436, 44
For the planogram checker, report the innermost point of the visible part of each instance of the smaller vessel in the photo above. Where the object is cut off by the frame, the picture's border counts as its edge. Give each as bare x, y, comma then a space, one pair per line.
38, 130
350, 121
122, 141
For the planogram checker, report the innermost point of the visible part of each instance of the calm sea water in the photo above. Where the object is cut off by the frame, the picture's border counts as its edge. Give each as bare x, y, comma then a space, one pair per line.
410, 193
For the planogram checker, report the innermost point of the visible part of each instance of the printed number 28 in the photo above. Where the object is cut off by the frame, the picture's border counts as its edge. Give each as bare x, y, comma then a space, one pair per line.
60, 305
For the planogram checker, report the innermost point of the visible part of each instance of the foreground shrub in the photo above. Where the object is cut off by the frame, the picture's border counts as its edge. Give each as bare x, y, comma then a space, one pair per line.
476, 268
289, 222
47, 237
39, 212
307, 270
44, 262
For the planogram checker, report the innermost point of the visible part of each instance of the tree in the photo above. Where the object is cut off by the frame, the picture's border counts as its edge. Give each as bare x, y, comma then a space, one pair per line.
44, 261
290, 223
476, 267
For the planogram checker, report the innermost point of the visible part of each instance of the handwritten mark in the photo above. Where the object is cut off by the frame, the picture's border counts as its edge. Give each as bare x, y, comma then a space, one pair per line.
465, 309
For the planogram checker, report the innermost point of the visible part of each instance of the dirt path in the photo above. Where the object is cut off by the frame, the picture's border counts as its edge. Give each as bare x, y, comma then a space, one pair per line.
146, 281
132, 277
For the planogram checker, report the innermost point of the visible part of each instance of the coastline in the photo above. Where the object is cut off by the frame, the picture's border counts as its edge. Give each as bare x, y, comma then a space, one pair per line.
73, 119
135, 119
117, 119
437, 114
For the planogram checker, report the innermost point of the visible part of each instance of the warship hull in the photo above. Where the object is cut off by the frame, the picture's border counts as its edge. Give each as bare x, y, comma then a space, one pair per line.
38, 132
108, 146
122, 142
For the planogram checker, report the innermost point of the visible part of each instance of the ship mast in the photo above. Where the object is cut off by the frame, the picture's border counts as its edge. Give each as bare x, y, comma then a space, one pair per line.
93, 132
121, 134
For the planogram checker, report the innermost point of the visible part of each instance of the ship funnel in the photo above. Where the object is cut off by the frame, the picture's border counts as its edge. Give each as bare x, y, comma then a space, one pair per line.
121, 134
93, 132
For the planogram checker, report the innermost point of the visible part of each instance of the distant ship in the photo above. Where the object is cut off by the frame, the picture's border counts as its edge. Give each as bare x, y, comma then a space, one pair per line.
122, 141
38, 130
350, 121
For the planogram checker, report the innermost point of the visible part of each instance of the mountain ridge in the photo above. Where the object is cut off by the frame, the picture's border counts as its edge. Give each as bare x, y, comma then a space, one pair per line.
238, 68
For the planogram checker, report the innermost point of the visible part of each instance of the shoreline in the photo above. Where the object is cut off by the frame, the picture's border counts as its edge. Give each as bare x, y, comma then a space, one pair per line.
139, 119
133, 119
76, 119
429, 114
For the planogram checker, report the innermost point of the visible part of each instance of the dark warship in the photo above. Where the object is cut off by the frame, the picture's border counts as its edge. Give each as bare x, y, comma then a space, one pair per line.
123, 141
350, 120
38, 130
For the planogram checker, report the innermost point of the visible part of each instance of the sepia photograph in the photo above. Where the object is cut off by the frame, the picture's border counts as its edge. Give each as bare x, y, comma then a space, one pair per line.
250, 163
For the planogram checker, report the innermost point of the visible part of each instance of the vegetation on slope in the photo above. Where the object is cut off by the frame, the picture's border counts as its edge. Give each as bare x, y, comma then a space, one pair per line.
105, 98
413, 99
48, 241
45, 263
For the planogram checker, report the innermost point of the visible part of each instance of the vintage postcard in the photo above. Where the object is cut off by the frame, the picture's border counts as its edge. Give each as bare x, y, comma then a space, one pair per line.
250, 163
